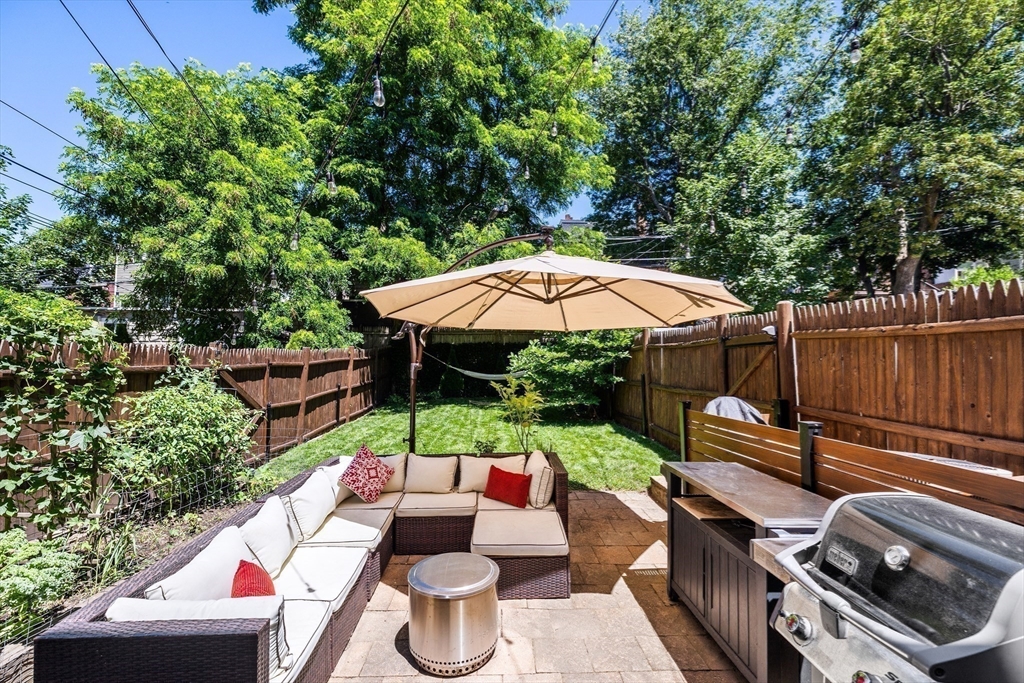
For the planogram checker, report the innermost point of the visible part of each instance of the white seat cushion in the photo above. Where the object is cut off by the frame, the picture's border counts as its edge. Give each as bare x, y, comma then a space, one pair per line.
513, 533
324, 573
437, 505
397, 480
270, 536
352, 528
305, 622
387, 501
473, 471
485, 503
269, 607
310, 504
425, 474
210, 574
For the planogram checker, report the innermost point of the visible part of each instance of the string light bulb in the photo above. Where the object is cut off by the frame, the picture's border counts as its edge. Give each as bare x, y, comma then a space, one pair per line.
526, 171
790, 136
332, 187
273, 278
378, 91
743, 189
295, 241
503, 207
855, 53
595, 65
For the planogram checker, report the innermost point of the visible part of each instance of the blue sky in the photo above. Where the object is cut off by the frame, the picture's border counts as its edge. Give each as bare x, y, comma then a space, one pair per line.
43, 56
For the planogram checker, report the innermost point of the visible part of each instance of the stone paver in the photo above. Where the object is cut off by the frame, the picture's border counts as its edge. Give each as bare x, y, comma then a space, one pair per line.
617, 627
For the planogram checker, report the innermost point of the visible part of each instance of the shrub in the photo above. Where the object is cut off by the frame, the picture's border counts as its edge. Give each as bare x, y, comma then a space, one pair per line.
187, 438
32, 574
984, 274
570, 368
521, 404
42, 385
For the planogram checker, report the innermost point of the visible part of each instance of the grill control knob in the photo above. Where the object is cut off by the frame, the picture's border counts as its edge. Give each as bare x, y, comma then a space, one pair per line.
865, 677
799, 627
896, 557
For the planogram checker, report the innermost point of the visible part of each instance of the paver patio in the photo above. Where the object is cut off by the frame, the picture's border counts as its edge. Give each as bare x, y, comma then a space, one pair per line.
618, 626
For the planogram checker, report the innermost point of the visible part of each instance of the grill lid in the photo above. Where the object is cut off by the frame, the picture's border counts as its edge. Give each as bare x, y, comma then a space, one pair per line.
928, 569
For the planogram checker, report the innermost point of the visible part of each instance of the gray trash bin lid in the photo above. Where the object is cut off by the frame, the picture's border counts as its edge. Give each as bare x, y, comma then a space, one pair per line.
453, 575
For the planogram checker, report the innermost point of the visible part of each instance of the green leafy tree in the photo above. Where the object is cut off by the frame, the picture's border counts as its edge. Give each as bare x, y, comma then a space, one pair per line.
696, 89
985, 275
469, 90
571, 369
920, 161
207, 205
43, 383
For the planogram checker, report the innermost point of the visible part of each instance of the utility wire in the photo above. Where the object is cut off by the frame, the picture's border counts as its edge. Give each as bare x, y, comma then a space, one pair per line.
112, 70
45, 127
34, 187
173, 65
41, 175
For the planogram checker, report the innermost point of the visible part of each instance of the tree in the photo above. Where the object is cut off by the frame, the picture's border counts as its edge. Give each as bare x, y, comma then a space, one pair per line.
14, 222
470, 86
207, 205
690, 110
920, 162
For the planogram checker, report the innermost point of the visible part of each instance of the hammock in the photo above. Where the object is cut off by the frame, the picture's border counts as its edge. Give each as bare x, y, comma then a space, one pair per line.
479, 375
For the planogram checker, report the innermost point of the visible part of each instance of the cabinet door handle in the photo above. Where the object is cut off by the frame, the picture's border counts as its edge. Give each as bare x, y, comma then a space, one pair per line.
711, 577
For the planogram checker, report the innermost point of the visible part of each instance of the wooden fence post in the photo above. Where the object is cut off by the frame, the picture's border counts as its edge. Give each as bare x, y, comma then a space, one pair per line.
300, 432
269, 409
808, 430
786, 358
723, 355
645, 383
337, 405
348, 383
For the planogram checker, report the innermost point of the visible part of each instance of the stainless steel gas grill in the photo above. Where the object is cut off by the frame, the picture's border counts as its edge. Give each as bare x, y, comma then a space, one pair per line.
902, 587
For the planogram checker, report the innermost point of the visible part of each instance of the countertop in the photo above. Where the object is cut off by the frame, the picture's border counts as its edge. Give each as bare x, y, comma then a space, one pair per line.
763, 551
763, 499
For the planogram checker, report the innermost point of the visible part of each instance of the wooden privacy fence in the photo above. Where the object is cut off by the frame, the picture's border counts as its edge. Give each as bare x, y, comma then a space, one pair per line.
299, 394
834, 468
938, 373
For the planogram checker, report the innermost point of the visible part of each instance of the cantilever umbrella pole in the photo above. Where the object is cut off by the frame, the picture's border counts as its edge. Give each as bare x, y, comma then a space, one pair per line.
417, 340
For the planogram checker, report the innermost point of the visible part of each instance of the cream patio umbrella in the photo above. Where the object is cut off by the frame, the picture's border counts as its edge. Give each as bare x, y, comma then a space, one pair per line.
553, 292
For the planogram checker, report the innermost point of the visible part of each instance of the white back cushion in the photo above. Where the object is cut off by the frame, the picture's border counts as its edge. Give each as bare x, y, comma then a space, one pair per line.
270, 535
397, 480
269, 607
210, 573
311, 503
334, 472
430, 475
473, 471
543, 483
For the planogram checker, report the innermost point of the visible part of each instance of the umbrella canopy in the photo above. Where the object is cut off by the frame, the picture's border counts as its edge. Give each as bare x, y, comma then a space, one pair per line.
553, 292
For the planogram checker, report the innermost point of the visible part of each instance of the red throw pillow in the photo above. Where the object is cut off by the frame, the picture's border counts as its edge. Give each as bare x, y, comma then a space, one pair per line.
251, 581
508, 487
366, 475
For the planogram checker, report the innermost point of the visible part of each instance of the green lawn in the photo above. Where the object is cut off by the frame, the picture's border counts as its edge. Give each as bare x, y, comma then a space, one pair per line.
599, 454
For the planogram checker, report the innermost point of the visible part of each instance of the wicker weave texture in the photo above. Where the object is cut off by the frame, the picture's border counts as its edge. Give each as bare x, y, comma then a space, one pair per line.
533, 578
433, 535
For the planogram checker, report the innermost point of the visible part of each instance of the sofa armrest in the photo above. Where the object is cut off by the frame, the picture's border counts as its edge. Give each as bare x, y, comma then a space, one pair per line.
561, 488
202, 651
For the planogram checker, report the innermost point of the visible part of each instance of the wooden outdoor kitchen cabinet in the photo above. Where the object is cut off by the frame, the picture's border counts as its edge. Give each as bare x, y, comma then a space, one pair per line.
711, 570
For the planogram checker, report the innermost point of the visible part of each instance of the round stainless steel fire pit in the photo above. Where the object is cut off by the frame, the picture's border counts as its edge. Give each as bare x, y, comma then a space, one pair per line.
453, 612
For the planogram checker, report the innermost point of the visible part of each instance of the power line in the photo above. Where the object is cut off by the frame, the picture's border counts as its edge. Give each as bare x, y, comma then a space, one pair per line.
41, 175
45, 127
116, 75
173, 65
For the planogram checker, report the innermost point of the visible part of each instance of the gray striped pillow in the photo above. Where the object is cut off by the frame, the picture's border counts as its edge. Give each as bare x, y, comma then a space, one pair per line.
543, 483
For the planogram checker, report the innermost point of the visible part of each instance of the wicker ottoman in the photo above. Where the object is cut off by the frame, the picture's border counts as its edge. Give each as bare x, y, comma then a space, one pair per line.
530, 547
453, 613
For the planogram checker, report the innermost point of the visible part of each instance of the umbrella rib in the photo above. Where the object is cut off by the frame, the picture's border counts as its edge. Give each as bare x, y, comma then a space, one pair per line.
437, 323
591, 290
656, 317
680, 290
515, 285
421, 301
496, 300
561, 307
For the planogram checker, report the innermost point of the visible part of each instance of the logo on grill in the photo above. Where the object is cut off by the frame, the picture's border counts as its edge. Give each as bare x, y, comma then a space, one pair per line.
846, 562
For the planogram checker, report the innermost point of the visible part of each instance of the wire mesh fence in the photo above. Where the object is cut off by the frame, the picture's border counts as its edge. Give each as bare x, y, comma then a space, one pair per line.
131, 529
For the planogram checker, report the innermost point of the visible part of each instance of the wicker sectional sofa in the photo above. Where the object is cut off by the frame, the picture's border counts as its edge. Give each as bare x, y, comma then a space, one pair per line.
325, 583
